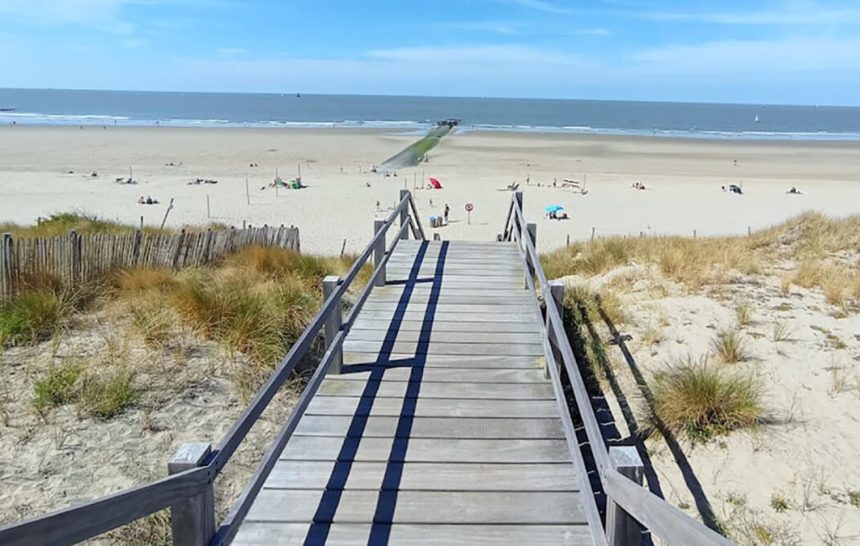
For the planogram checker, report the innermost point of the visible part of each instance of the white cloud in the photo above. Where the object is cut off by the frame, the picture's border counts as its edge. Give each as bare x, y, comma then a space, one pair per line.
497, 56
790, 16
102, 15
732, 58
539, 5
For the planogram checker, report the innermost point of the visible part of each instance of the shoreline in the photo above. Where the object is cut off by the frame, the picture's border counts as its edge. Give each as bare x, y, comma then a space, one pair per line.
413, 127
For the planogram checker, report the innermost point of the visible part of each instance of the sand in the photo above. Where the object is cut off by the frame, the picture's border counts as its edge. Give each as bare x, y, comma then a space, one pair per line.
683, 178
805, 454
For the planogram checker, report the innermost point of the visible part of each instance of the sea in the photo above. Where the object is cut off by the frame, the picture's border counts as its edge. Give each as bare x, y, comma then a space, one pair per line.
660, 119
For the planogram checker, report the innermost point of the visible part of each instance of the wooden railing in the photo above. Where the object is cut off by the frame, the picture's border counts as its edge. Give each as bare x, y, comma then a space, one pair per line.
630, 508
189, 490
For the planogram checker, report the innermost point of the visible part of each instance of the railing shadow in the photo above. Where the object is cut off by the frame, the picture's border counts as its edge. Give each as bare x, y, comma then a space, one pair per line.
387, 500
703, 505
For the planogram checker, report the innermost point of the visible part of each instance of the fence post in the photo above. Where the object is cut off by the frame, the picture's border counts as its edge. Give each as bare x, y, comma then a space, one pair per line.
333, 322
379, 253
75, 239
135, 252
179, 244
7, 256
556, 292
404, 212
531, 233
192, 519
621, 528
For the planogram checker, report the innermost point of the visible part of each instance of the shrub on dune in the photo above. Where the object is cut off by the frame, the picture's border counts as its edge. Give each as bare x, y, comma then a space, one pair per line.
703, 401
31, 317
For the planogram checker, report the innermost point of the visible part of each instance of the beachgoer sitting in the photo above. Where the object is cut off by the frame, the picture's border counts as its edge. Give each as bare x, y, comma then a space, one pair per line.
149, 200
563, 216
141, 201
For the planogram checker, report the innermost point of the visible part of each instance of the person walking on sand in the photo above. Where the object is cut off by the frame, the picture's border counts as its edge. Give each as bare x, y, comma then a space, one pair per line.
447, 210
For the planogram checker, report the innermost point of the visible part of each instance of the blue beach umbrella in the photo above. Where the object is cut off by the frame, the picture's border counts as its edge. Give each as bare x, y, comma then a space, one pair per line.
553, 208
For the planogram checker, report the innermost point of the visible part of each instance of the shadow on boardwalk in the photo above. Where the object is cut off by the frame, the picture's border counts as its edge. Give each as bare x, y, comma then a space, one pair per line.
387, 500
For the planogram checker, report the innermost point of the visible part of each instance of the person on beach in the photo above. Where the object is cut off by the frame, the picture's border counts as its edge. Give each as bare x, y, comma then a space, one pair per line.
446, 212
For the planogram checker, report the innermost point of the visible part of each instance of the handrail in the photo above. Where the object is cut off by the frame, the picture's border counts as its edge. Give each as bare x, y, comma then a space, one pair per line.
88, 520
661, 518
230, 525
79, 523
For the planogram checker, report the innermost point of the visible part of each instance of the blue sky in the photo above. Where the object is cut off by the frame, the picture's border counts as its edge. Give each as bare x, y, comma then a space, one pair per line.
800, 52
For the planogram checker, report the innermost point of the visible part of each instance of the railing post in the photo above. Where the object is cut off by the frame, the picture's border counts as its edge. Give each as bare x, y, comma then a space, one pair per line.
531, 233
333, 322
515, 225
404, 215
621, 528
556, 293
192, 519
379, 253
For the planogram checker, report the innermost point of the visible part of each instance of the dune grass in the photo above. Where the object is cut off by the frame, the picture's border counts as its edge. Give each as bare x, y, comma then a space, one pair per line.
703, 401
811, 238
57, 387
256, 302
107, 393
31, 317
61, 223
97, 393
730, 346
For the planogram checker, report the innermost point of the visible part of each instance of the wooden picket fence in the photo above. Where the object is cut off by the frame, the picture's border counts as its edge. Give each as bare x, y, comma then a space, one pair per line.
78, 258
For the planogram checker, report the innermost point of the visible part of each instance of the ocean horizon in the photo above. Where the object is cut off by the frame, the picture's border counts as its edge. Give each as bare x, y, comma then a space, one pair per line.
412, 113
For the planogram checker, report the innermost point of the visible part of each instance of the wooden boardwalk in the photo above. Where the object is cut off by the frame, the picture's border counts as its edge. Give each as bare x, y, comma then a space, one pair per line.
441, 428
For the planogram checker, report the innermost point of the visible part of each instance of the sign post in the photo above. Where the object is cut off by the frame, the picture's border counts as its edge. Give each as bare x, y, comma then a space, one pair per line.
469, 208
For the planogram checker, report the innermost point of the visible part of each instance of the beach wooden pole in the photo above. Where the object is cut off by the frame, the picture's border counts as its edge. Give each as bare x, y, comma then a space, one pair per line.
169, 208
141, 222
247, 192
343, 247
568, 239
333, 322
379, 253
694, 234
192, 519
556, 291
749, 231
208, 210
621, 528
592, 233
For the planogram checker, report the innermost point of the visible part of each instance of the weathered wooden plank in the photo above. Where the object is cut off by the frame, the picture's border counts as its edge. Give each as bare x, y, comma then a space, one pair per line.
445, 336
430, 407
520, 299
431, 427
443, 375
455, 507
347, 534
363, 326
418, 313
512, 349
428, 287
449, 361
470, 309
424, 450
429, 389
424, 476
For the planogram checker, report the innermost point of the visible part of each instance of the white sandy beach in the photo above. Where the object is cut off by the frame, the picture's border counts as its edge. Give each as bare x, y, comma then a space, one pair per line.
683, 178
